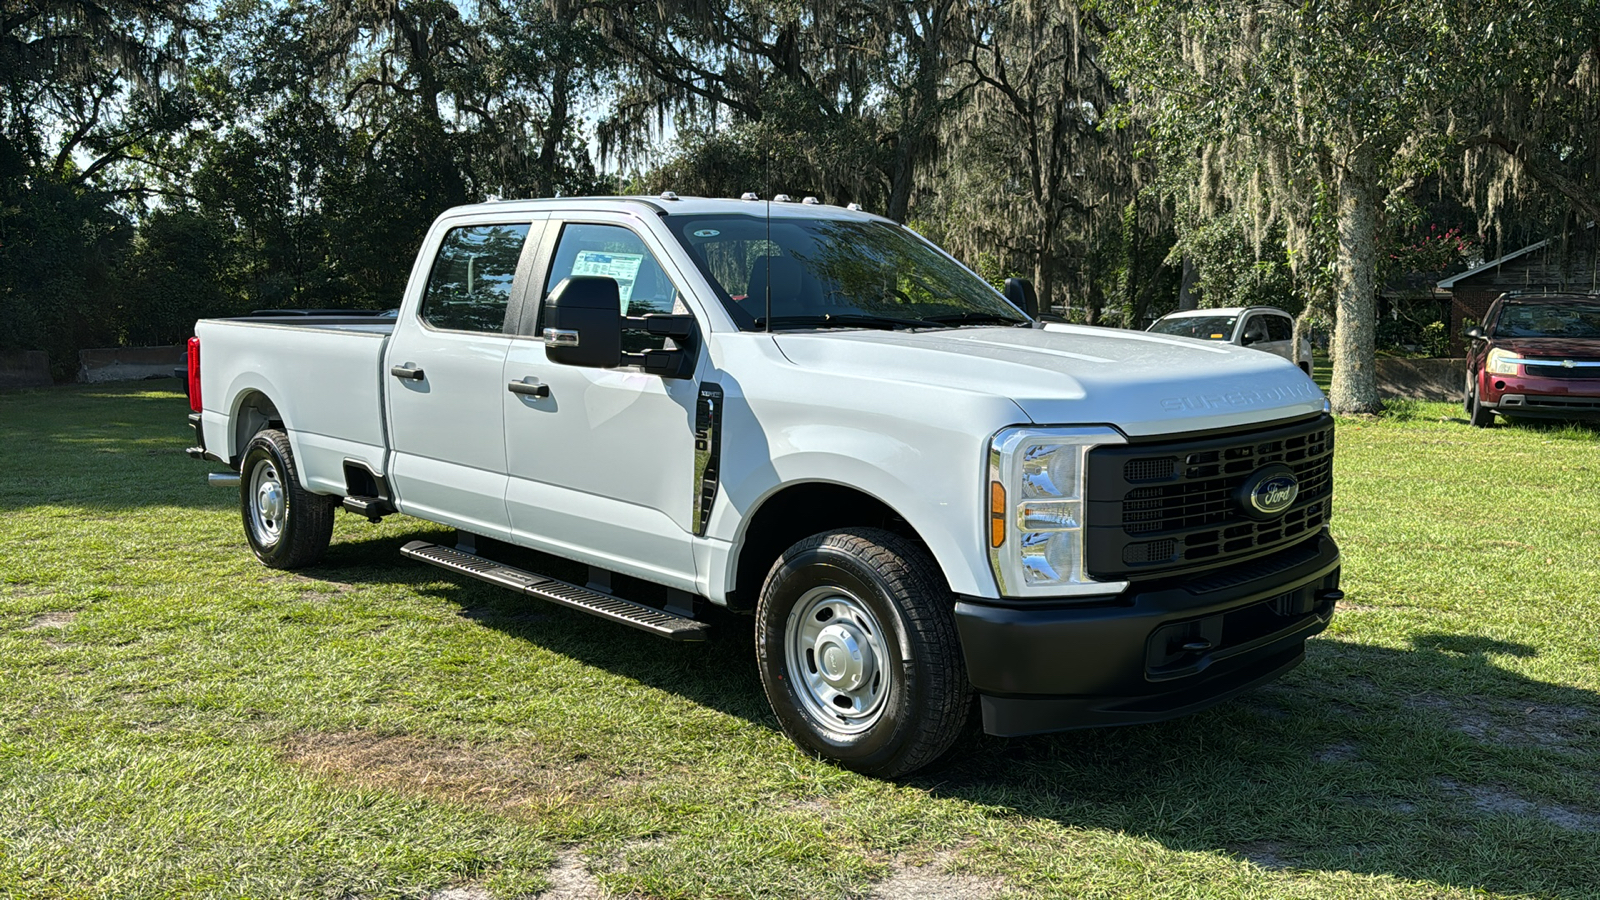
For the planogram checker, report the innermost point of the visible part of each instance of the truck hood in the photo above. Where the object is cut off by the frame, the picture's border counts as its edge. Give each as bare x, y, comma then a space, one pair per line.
1142, 383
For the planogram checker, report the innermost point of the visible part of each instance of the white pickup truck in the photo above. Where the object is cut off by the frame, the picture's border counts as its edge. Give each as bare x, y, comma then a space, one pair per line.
810, 414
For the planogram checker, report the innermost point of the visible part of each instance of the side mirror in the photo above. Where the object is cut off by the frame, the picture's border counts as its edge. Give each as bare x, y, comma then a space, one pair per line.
583, 322
1022, 295
1475, 332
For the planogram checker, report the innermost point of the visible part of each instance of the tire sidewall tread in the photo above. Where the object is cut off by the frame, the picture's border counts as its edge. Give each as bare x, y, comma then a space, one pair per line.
930, 699
308, 518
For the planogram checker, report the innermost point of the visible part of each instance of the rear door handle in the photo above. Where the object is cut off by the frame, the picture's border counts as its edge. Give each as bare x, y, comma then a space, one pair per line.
406, 372
529, 389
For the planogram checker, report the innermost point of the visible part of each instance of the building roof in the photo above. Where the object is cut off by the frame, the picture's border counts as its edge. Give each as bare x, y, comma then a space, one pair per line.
1448, 283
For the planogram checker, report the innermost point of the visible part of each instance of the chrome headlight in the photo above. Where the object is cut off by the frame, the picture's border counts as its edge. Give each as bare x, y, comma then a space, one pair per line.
1035, 494
1503, 362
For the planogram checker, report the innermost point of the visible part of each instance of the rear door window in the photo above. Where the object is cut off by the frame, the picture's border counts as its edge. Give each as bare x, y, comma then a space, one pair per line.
469, 287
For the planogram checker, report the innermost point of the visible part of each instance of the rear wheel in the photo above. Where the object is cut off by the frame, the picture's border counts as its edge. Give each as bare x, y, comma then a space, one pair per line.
288, 526
857, 647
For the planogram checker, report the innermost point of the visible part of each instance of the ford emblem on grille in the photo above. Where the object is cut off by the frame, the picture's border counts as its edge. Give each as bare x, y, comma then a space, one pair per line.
1269, 492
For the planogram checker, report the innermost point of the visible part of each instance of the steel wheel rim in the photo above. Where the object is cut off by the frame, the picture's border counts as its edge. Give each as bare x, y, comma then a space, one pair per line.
834, 650
268, 503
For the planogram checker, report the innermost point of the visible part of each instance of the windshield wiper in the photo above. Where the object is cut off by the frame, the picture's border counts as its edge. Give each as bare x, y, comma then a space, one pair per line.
845, 320
977, 318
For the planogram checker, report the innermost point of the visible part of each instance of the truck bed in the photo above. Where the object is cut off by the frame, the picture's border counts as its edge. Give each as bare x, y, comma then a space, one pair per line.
321, 375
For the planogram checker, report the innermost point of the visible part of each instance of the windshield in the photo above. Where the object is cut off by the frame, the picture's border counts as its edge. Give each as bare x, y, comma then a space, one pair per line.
1535, 320
1210, 328
823, 273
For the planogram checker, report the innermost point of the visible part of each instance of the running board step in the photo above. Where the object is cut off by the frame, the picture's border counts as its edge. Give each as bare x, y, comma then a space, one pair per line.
373, 508
646, 618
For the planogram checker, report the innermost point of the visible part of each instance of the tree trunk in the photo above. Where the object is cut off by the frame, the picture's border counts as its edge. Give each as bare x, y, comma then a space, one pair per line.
1355, 382
902, 178
1187, 299
1044, 284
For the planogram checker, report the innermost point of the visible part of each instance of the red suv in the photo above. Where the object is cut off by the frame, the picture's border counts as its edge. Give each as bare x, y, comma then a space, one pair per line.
1536, 355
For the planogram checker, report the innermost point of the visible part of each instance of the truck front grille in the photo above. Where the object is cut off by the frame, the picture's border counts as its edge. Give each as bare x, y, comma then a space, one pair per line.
1161, 508
1554, 369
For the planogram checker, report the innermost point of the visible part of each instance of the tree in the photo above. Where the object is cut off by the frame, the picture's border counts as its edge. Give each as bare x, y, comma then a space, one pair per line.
1034, 169
1325, 105
1528, 122
843, 98
85, 90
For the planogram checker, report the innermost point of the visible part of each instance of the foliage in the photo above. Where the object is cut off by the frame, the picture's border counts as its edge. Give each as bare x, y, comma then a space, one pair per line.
85, 88
176, 271
1098, 147
1288, 108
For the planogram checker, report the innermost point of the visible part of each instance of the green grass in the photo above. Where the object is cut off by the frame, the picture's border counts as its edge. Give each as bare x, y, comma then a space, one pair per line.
177, 721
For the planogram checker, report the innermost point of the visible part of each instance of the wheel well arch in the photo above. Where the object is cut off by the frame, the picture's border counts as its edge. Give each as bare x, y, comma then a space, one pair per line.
253, 411
799, 511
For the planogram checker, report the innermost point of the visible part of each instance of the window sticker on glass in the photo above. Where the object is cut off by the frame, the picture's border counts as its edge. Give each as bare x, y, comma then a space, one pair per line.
623, 267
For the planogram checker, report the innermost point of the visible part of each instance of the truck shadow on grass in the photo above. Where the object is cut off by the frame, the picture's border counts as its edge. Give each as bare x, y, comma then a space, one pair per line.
1436, 763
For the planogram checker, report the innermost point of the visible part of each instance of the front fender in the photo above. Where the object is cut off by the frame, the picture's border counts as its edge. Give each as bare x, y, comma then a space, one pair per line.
936, 489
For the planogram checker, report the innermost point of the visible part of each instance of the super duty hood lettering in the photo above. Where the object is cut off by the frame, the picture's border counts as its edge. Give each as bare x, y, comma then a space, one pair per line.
1266, 395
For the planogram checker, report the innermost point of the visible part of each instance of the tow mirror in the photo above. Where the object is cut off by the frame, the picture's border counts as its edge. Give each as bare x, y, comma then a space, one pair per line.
583, 322
1022, 295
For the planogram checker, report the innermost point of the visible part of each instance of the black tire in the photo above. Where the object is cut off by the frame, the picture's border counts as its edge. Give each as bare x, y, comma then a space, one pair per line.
1476, 413
1306, 368
858, 652
287, 526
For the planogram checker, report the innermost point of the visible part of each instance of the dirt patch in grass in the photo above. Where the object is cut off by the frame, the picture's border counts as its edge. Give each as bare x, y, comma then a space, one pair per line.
1337, 753
461, 893
1497, 801
1510, 723
571, 879
314, 585
497, 777
49, 620
930, 881
1266, 854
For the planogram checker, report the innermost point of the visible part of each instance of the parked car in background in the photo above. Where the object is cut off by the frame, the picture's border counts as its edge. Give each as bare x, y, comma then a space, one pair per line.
1535, 355
1256, 327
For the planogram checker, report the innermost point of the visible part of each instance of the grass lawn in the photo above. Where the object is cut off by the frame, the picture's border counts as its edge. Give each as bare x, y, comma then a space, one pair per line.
178, 721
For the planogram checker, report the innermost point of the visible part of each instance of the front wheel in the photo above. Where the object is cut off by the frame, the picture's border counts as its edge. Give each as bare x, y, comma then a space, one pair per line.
1476, 413
288, 526
856, 642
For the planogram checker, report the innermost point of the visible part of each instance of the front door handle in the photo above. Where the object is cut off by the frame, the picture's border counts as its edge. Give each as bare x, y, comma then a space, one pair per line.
406, 372
529, 389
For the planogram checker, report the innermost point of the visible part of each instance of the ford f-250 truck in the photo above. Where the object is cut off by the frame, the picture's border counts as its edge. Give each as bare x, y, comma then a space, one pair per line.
811, 414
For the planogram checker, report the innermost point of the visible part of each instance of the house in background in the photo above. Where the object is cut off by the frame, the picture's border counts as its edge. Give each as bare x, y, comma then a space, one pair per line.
1567, 263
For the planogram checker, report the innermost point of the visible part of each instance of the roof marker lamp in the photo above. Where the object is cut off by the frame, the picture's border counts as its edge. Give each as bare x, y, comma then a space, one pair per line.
1035, 511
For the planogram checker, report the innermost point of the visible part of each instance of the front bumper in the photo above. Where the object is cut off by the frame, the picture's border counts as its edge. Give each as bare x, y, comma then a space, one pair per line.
1539, 396
1156, 651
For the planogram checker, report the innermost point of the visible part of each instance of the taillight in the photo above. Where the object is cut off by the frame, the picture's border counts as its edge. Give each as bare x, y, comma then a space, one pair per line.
194, 374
